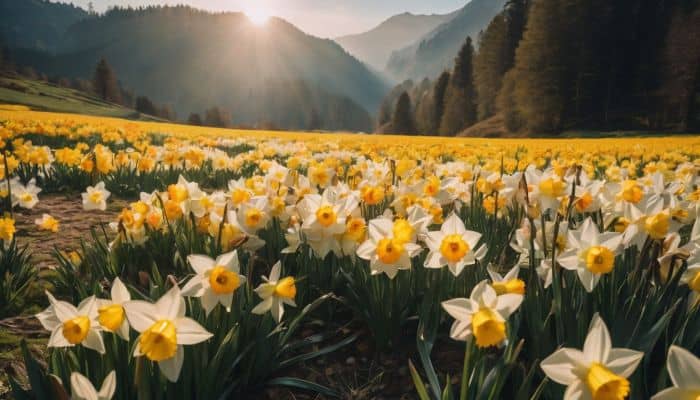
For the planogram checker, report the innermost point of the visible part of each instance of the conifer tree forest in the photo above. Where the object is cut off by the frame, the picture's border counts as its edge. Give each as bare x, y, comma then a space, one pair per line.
543, 67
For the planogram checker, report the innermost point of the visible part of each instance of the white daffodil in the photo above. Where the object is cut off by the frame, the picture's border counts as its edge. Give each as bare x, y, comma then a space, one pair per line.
111, 314
597, 372
293, 238
70, 325
386, 248
47, 223
508, 284
253, 215
95, 197
25, 195
590, 253
547, 188
453, 245
691, 277
82, 389
684, 370
324, 220
275, 293
164, 331
216, 281
239, 193
482, 316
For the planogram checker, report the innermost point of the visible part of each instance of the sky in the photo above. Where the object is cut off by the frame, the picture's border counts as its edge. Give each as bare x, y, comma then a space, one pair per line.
323, 18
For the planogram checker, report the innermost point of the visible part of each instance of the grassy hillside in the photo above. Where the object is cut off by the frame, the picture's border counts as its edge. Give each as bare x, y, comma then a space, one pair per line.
44, 96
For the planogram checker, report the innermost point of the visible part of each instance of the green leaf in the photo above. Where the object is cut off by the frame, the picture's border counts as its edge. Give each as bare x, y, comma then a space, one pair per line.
303, 385
318, 353
418, 382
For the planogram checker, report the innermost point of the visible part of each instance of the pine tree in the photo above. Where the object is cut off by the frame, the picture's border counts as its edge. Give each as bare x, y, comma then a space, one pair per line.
460, 97
402, 120
490, 64
144, 105
439, 101
539, 69
194, 119
217, 117
105, 82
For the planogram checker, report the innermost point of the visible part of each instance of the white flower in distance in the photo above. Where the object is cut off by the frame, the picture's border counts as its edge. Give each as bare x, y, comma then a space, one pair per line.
25, 196
164, 330
70, 325
387, 248
82, 389
216, 281
590, 253
95, 197
684, 370
111, 315
453, 245
275, 293
598, 371
482, 316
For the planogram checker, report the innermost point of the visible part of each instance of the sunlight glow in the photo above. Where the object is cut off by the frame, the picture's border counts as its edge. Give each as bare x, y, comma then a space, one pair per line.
258, 15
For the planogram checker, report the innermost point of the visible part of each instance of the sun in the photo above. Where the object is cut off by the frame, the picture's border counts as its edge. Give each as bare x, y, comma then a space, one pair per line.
258, 15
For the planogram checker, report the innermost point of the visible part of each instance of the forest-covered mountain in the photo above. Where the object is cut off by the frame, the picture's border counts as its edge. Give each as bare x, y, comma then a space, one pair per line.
37, 24
376, 45
435, 51
548, 66
191, 59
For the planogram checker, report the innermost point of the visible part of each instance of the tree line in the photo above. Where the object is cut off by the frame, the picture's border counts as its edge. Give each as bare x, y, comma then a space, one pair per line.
546, 66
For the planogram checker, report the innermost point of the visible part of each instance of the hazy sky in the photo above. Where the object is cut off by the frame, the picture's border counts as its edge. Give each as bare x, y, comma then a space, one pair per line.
325, 18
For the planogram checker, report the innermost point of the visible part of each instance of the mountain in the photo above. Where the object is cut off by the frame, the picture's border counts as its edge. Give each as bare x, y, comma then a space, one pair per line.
192, 60
36, 24
435, 51
375, 46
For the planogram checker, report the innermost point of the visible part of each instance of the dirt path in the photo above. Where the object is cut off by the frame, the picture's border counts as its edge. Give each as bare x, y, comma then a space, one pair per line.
75, 224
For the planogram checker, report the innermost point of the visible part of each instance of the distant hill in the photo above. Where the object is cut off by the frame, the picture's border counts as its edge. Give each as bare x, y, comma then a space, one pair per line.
435, 51
376, 45
37, 24
191, 60
43, 96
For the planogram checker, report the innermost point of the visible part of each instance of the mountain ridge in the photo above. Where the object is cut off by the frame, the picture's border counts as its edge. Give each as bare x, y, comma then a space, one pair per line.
435, 50
375, 45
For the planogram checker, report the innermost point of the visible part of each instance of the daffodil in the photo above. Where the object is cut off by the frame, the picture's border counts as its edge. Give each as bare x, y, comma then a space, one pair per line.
453, 245
324, 219
95, 197
164, 330
507, 284
215, 281
387, 249
82, 389
254, 214
47, 223
691, 276
684, 370
25, 195
275, 293
482, 316
70, 325
597, 372
111, 314
590, 253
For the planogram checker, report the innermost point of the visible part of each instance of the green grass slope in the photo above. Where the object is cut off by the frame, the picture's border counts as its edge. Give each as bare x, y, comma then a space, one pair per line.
43, 96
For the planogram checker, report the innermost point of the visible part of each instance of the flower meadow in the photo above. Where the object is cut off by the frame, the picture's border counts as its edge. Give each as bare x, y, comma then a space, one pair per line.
559, 268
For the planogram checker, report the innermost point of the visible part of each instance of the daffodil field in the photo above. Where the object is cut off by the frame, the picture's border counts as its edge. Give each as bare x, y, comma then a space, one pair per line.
558, 268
